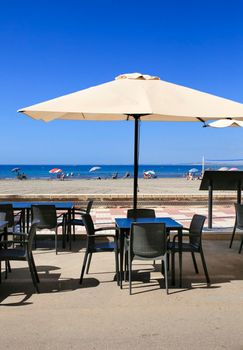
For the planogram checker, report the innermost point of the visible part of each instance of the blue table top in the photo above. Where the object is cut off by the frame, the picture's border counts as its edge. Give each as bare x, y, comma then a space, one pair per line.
125, 223
27, 205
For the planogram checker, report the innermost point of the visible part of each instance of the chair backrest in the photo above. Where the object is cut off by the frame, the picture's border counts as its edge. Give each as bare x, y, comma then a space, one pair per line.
140, 213
89, 226
148, 240
45, 214
239, 215
31, 235
8, 210
196, 227
89, 206
2, 218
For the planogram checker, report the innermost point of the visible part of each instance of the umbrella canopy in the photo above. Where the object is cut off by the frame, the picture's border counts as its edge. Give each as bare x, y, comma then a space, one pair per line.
193, 170
137, 97
233, 169
224, 123
15, 169
223, 168
95, 168
55, 171
150, 172
136, 94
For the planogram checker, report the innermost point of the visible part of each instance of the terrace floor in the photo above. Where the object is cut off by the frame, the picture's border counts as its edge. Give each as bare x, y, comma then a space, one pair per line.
98, 315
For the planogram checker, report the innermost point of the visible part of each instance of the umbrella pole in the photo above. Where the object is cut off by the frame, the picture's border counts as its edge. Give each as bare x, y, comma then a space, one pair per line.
135, 179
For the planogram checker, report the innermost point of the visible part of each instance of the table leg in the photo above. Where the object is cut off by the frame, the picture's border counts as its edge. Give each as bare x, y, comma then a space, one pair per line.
121, 241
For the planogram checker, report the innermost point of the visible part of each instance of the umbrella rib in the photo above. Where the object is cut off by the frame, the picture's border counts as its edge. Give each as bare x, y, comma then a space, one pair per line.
201, 120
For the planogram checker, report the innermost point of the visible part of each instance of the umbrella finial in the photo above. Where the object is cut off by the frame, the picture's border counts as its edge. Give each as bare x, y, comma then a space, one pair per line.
136, 76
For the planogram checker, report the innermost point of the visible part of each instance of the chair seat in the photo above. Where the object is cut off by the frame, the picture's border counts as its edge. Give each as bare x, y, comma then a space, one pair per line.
186, 247
13, 254
103, 247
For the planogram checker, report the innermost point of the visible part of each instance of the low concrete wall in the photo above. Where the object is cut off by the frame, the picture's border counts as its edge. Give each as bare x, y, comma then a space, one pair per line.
113, 200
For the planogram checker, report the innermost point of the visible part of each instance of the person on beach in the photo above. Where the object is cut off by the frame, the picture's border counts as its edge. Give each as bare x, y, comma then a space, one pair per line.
190, 176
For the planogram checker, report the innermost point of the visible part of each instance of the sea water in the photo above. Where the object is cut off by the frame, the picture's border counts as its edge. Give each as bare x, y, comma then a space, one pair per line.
105, 171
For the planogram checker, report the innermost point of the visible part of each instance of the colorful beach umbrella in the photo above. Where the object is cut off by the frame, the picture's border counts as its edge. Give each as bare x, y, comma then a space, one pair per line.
136, 97
55, 171
95, 168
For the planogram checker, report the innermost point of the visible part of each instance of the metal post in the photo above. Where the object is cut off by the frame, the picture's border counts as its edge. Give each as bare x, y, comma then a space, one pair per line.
135, 181
210, 204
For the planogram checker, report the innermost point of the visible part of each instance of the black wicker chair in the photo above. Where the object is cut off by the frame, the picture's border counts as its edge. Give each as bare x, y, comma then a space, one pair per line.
148, 241
47, 218
94, 246
21, 253
131, 214
140, 213
77, 221
194, 244
238, 224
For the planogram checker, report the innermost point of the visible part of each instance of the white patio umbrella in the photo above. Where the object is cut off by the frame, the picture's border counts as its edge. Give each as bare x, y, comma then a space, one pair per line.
136, 97
225, 123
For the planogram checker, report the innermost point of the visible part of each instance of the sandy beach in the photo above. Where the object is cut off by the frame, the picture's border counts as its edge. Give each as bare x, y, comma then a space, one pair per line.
108, 186
164, 186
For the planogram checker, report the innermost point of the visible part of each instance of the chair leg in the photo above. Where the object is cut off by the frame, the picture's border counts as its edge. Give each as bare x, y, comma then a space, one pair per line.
9, 267
241, 244
126, 266
180, 269
117, 266
89, 261
130, 272
166, 272
233, 235
69, 236
63, 235
84, 265
74, 233
173, 268
56, 239
204, 267
34, 268
35, 239
168, 261
6, 270
194, 262
33, 275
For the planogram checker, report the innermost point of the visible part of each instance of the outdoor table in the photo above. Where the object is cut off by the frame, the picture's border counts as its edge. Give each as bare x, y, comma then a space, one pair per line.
26, 208
124, 225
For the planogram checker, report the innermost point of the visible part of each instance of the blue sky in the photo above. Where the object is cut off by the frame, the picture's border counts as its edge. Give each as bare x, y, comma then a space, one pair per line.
50, 48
